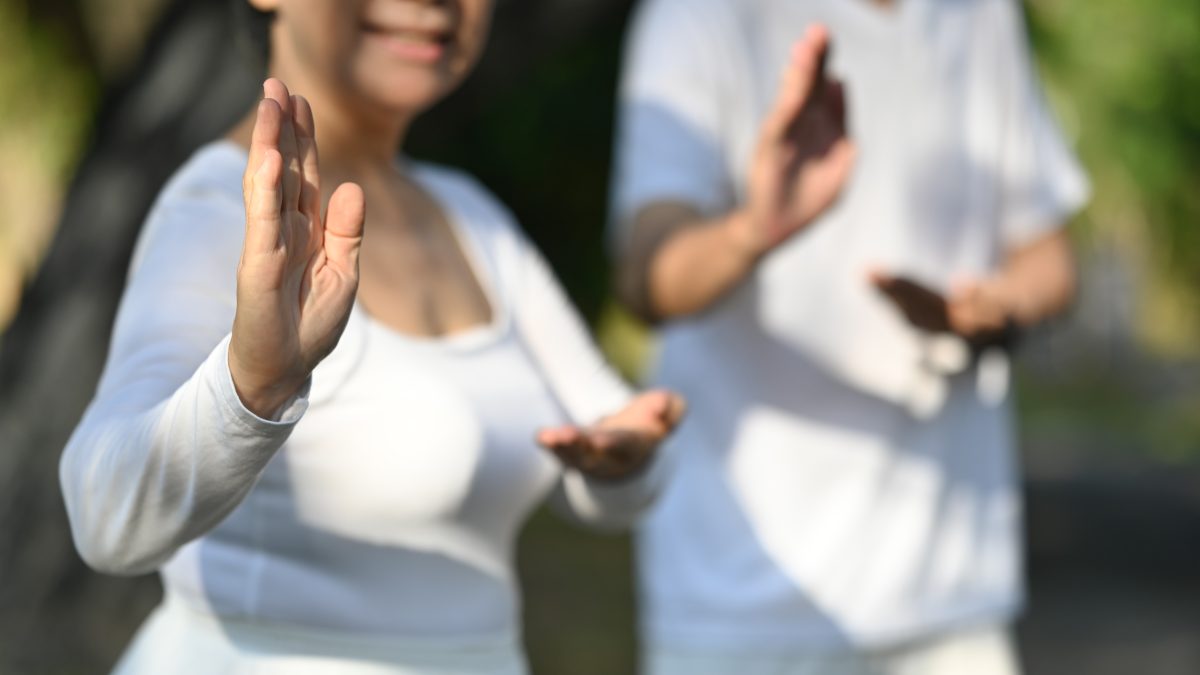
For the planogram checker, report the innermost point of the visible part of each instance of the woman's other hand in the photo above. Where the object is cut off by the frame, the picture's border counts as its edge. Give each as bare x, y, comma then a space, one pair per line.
298, 273
622, 444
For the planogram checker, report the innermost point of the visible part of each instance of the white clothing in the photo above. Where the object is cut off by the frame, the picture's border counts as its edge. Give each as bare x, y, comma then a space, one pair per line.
180, 640
984, 651
835, 484
386, 499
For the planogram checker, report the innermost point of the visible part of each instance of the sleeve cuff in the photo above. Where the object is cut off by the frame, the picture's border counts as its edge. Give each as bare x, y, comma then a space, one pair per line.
283, 420
615, 504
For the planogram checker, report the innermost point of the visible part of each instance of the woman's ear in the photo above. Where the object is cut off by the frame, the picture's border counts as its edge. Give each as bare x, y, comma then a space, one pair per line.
264, 5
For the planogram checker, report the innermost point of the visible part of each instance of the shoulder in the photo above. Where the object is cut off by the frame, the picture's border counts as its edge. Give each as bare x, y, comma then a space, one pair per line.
664, 23
693, 12
213, 172
198, 215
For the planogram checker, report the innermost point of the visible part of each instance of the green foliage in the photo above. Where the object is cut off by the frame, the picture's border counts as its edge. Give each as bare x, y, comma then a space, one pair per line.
1129, 72
46, 100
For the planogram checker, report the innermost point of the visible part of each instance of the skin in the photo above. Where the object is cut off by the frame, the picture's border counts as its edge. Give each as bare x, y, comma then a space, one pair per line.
366, 69
1037, 281
678, 263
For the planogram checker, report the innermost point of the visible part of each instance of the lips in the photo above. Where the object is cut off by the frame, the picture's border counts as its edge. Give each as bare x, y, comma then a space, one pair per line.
411, 43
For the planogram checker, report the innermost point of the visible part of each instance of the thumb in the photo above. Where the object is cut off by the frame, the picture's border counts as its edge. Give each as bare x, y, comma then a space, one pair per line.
344, 220
675, 409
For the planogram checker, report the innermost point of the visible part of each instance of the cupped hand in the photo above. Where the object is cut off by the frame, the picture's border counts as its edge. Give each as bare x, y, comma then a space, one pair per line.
620, 445
803, 158
298, 274
974, 310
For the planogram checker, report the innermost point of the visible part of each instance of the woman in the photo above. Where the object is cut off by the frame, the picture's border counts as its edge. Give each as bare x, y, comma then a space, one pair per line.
326, 447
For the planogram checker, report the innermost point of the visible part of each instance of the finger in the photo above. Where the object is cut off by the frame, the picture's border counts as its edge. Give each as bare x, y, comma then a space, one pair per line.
878, 277
276, 90
570, 449
599, 442
268, 120
798, 84
961, 287
675, 411
263, 217
306, 147
558, 436
343, 227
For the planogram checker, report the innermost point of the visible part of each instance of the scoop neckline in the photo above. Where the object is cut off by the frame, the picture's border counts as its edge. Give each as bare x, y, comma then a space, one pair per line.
888, 17
473, 337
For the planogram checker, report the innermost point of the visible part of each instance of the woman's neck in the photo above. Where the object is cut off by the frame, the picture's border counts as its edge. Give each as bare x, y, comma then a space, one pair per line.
352, 139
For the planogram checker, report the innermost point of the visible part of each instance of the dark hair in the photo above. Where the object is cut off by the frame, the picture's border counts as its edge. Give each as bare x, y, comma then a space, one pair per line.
252, 34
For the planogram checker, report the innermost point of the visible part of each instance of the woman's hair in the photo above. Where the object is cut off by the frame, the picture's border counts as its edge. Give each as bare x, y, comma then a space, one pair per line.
252, 34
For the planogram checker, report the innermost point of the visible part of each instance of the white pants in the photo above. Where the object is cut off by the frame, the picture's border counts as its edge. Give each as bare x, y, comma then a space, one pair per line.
986, 651
179, 640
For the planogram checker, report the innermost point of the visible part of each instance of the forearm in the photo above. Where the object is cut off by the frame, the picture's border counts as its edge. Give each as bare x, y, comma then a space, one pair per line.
1038, 281
679, 264
141, 482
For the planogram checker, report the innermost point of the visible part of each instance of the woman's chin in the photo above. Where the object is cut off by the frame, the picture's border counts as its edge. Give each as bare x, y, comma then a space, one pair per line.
411, 93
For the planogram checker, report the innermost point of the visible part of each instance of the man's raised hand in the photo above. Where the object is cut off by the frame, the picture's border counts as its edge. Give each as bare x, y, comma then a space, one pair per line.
803, 158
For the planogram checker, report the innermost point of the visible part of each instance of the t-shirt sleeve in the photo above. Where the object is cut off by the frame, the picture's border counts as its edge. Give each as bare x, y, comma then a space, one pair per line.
1043, 182
669, 126
166, 449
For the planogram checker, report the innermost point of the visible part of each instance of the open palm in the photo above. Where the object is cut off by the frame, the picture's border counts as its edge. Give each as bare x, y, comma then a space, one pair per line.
621, 444
298, 274
804, 157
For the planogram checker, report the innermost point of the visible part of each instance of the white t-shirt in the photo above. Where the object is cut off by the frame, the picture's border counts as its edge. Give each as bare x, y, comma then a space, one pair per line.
836, 486
387, 499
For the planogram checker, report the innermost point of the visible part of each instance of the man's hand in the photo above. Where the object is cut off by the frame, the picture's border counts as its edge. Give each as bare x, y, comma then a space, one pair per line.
803, 158
678, 262
976, 311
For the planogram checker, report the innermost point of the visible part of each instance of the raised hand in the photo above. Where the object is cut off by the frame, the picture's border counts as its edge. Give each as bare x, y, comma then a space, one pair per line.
977, 311
621, 444
299, 271
803, 157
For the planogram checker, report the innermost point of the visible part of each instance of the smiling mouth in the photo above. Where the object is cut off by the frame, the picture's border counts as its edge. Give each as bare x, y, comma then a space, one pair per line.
413, 45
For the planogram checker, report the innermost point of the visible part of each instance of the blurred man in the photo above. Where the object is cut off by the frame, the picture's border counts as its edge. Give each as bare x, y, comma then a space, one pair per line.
839, 270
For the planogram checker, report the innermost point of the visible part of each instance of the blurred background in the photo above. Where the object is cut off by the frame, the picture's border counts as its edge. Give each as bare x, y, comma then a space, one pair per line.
101, 99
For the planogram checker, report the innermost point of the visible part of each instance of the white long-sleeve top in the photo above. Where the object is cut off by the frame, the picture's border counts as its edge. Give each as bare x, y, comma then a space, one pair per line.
387, 497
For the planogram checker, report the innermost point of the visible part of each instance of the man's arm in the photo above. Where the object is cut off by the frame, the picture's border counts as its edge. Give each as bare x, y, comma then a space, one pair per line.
1037, 281
679, 263
676, 262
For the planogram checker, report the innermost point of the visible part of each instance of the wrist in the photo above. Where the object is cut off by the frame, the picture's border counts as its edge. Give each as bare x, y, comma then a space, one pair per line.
262, 396
743, 236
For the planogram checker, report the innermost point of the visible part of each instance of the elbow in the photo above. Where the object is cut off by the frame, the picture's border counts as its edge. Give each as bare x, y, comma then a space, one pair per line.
634, 293
109, 557
105, 537
109, 545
